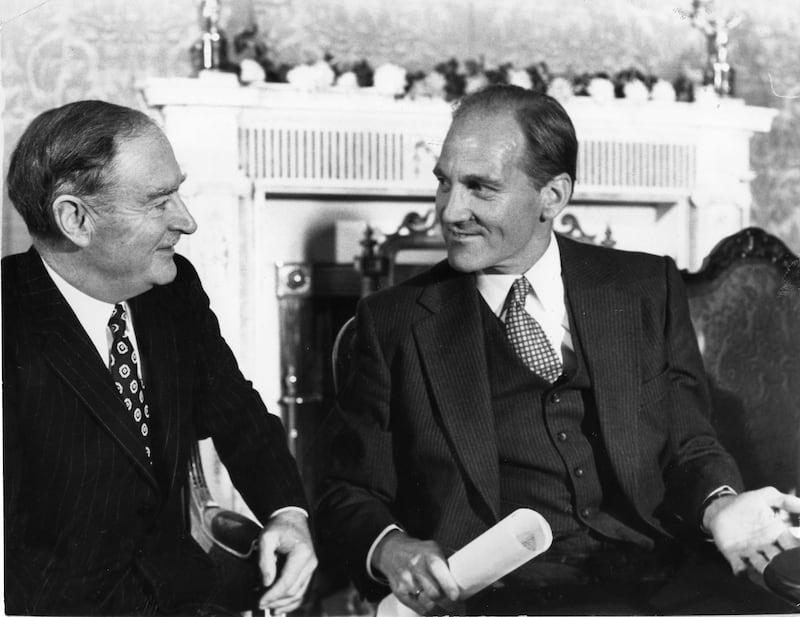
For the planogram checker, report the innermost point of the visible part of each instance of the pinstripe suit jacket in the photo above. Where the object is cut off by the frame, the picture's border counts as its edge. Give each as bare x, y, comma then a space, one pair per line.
83, 508
415, 437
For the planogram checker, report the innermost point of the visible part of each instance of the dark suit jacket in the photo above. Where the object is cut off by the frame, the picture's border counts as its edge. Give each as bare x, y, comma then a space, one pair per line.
83, 508
415, 442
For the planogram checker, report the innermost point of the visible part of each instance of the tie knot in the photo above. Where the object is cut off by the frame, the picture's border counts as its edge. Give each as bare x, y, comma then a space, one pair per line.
118, 318
520, 290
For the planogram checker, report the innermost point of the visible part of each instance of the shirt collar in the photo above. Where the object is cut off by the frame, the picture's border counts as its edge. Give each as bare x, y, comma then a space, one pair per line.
544, 276
93, 314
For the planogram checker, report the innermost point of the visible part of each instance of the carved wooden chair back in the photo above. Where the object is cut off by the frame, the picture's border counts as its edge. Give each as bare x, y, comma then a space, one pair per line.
418, 239
745, 307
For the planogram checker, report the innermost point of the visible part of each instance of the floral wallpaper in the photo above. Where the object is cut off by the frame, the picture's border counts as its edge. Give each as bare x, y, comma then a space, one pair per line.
54, 51
57, 51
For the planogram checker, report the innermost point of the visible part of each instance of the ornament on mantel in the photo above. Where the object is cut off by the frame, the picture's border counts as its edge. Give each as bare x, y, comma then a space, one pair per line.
256, 62
210, 51
719, 73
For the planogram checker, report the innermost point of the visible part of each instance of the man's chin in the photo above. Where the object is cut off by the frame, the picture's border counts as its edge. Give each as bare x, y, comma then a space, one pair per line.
463, 263
166, 272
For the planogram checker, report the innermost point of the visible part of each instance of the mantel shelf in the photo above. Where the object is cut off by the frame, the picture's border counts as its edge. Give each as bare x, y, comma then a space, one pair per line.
226, 92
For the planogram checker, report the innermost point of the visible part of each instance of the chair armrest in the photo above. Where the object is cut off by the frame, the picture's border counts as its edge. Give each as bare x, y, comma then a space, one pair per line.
782, 575
212, 525
231, 531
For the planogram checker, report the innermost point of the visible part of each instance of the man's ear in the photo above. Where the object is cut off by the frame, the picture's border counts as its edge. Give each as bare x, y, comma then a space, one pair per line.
72, 218
555, 196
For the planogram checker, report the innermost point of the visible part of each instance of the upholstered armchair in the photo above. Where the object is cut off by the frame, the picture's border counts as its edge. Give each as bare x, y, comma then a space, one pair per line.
746, 313
745, 307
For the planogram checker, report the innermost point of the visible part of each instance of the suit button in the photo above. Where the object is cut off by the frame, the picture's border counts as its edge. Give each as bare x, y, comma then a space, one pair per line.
586, 512
555, 398
562, 436
579, 472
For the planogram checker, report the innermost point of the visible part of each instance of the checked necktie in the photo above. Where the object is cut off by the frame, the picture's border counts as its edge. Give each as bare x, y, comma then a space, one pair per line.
124, 366
527, 337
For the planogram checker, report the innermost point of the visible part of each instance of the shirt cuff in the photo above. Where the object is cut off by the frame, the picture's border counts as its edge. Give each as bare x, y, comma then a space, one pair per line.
289, 509
372, 548
722, 491
719, 492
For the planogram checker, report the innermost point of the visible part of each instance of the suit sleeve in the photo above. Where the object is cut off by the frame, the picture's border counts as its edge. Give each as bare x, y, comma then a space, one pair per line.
699, 464
250, 441
361, 480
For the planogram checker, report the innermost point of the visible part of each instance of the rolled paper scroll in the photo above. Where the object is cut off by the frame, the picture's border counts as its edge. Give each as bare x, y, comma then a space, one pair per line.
515, 540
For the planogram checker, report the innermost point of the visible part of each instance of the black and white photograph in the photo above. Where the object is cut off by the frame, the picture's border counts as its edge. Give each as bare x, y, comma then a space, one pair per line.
366, 308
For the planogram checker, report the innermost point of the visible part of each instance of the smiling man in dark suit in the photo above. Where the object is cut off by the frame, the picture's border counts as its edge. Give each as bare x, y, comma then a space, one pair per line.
529, 370
113, 367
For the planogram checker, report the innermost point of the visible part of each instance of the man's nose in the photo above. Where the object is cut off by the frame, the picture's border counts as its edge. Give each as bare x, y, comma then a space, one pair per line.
452, 206
182, 221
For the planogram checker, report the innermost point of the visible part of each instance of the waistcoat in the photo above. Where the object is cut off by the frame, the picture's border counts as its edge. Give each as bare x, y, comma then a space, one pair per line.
551, 450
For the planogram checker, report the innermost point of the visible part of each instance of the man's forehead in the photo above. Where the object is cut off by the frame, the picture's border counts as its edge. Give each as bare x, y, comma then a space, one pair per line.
483, 137
147, 156
166, 185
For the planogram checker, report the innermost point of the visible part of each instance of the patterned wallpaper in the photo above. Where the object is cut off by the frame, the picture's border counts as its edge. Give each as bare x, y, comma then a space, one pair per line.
55, 51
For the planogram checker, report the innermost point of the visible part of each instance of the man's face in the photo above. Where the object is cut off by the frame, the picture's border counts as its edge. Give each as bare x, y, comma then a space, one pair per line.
139, 219
487, 205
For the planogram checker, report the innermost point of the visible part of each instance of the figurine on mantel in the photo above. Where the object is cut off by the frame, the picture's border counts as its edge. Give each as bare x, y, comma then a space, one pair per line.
719, 72
210, 51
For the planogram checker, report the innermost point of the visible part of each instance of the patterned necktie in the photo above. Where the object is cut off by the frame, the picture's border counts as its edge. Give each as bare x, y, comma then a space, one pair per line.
123, 362
527, 337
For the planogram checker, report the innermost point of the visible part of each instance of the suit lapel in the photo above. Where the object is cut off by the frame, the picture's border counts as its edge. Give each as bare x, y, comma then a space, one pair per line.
69, 351
162, 361
607, 322
452, 348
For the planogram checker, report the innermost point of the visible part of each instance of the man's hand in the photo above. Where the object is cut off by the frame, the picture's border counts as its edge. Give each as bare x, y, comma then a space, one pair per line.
417, 572
286, 534
749, 529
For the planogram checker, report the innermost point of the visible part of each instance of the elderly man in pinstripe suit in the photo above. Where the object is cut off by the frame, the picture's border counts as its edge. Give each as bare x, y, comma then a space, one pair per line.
529, 370
113, 367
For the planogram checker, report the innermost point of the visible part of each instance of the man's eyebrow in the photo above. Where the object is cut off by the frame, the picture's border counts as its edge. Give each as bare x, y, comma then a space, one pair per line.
167, 190
480, 179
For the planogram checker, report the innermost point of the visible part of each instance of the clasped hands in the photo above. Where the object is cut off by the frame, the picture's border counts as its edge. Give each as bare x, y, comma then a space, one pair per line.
749, 529
286, 534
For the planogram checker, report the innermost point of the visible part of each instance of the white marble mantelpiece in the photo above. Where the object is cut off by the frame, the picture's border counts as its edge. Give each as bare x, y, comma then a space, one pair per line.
273, 172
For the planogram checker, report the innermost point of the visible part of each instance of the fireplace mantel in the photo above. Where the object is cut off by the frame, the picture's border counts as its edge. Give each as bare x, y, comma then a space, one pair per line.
279, 175
354, 142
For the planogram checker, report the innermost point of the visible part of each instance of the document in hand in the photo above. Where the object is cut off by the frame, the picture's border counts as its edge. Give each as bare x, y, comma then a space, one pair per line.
516, 539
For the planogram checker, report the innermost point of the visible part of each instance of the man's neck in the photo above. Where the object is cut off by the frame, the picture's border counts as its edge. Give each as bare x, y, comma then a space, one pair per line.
69, 264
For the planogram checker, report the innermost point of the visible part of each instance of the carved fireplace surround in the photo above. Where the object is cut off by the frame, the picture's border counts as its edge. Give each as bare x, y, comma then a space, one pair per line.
277, 176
